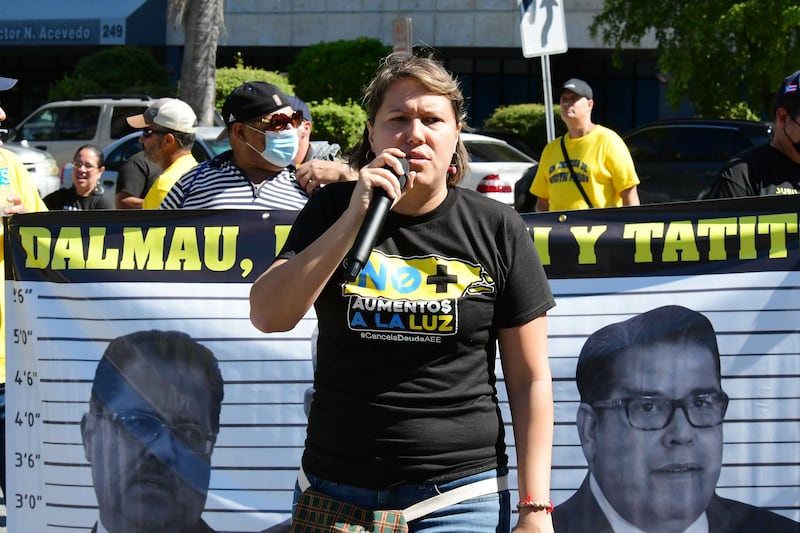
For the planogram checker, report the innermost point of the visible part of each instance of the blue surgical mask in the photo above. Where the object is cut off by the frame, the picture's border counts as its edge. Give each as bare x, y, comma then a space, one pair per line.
280, 147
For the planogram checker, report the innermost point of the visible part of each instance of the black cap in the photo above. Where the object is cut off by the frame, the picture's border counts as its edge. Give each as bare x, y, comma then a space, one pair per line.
299, 105
579, 87
789, 89
251, 100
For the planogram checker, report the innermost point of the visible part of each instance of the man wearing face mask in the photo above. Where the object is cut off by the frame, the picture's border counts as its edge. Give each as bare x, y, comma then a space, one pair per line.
774, 167
258, 172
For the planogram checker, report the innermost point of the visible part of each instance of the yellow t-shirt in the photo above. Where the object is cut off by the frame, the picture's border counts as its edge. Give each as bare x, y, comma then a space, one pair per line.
26, 188
167, 179
602, 163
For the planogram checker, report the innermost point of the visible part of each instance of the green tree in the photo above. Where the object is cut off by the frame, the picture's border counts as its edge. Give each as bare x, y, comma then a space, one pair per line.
115, 70
717, 53
341, 123
529, 121
228, 78
202, 22
336, 70
338, 123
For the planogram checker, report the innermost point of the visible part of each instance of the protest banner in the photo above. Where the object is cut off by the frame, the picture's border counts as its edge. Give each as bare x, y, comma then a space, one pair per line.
78, 280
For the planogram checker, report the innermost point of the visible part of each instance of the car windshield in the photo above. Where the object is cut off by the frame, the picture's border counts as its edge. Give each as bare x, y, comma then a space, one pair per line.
119, 123
61, 124
481, 151
218, 146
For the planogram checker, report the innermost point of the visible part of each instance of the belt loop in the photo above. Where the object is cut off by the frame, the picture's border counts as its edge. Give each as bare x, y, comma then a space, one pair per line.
302, 480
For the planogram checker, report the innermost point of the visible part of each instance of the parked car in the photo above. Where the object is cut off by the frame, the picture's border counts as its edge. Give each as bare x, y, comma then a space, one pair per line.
206, 146
40, 165
679, 159
62, 127
493, 169
524, 201
511, 138
494, 166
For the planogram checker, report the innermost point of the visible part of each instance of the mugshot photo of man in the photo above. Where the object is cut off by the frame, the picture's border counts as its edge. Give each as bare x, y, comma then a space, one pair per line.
150, 431
650, 423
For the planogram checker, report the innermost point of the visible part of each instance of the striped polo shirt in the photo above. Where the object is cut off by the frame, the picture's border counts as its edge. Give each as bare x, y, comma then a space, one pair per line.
219, 184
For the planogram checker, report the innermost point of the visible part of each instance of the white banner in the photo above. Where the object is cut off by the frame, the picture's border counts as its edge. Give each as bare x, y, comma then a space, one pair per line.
77, 281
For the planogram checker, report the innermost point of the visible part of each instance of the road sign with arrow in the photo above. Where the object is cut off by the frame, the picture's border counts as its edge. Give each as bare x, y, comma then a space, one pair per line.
544, 33
542, 27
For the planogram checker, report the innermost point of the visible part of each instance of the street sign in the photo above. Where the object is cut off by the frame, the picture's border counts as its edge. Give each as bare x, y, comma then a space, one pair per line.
543, 32
401, 35
542, 28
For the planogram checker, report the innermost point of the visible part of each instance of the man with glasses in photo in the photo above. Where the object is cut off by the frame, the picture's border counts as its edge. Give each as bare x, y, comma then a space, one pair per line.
152, 424
650, 425
258, 172
167, 135
773, 167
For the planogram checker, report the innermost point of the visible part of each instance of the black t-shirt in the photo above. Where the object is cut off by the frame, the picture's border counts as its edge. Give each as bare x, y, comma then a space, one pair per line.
137, 175
405, 382
759, 171
69, 200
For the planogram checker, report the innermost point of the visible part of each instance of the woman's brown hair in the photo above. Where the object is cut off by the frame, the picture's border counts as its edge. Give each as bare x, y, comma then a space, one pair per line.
430, 74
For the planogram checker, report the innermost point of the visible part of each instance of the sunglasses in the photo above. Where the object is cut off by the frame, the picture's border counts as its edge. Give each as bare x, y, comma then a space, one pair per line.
280, 121
81, 165
147, 133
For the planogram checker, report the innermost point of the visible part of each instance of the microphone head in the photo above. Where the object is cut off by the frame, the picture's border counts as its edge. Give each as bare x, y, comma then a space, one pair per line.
370, 229
402, 178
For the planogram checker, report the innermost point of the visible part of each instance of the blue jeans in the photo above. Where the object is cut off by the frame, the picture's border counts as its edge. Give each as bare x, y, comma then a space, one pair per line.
486, 514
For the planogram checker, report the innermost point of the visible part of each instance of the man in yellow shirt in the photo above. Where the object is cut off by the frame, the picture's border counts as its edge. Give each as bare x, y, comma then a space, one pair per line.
168, 127
601, 163
24, 198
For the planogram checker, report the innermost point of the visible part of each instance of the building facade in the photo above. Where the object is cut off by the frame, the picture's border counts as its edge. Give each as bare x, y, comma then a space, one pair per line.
479, 40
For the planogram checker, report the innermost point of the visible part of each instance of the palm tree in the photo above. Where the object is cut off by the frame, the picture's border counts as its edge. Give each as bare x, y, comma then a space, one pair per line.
202, 21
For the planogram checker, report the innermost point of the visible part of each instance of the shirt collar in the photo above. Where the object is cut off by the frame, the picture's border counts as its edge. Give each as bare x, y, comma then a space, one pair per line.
620, 525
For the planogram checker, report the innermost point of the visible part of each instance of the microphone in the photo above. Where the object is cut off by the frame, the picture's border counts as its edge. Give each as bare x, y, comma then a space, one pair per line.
371, 227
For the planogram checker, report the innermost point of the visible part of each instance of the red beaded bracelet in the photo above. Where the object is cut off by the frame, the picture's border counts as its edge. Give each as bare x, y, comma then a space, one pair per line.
535, 506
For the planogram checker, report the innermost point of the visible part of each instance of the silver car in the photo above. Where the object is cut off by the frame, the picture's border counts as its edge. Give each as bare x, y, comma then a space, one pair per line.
494, 166
40, 165
63, 126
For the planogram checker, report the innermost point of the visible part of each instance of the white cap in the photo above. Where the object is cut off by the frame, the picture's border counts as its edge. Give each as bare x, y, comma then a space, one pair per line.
169, 113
